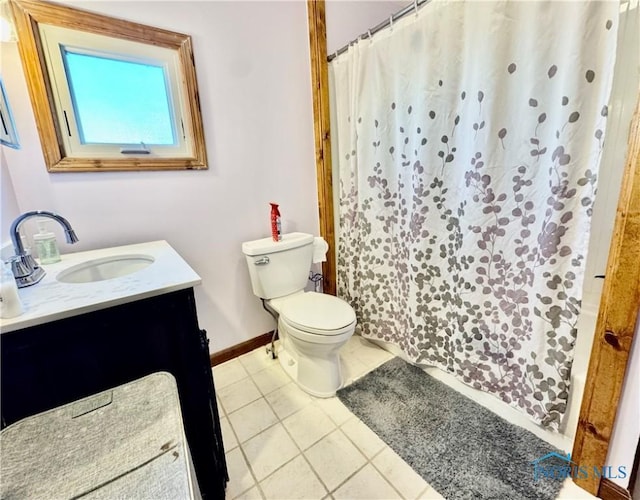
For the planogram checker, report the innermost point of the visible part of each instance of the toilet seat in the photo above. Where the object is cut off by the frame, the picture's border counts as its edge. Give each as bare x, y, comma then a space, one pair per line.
318, 314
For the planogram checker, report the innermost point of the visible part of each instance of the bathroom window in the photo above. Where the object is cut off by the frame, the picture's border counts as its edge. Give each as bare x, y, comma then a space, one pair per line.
8, 135
110, 94
115, 97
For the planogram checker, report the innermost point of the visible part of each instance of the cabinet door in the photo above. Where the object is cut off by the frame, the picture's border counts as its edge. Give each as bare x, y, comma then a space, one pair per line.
48, 365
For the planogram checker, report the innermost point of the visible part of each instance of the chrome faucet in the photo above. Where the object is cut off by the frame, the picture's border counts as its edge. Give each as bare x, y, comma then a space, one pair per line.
24, 267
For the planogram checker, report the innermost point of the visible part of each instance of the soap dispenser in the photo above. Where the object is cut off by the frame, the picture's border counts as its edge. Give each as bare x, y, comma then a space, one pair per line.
46, 245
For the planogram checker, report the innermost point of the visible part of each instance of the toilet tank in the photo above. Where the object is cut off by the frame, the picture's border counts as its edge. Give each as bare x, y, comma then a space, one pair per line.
279, 268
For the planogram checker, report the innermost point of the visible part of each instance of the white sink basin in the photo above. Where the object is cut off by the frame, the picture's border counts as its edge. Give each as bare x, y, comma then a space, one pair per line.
105, 269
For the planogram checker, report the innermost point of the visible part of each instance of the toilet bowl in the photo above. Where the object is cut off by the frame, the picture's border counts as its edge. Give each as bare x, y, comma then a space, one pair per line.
312, 326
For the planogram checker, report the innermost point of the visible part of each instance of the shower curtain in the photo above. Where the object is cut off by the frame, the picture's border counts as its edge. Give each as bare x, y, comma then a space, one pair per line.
467, 141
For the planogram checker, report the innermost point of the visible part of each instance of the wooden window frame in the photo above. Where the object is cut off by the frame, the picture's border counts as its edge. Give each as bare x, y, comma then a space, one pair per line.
10, 138
28, 14
618, 313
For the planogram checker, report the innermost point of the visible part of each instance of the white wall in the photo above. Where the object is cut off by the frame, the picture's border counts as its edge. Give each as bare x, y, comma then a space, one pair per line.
348, 19
626, 431
8, 202
252, 63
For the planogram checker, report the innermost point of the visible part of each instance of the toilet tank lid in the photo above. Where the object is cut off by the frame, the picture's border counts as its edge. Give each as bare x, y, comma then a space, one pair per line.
267, 245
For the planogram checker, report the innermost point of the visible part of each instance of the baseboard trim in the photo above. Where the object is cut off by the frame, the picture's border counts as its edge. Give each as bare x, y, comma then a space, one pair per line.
609, 490
240, 349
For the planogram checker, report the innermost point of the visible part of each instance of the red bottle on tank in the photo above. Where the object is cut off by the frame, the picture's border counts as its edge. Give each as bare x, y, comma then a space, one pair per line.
276, 224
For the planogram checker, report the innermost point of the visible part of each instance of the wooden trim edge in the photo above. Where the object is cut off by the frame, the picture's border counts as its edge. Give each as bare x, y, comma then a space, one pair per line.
126, 164
240, 349
611, 491
320, 94
615, 327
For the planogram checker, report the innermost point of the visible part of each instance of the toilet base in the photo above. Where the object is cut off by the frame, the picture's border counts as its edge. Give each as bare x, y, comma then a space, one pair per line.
320, 379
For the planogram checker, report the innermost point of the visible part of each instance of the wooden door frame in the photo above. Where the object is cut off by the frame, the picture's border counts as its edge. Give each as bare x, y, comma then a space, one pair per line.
618, 311
616, 323
320, 90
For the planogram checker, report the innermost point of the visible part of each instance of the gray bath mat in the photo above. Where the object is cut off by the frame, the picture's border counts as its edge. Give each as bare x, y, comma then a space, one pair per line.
460, 448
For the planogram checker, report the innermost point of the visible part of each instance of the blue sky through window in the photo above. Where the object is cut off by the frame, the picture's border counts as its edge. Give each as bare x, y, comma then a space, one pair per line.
119, 102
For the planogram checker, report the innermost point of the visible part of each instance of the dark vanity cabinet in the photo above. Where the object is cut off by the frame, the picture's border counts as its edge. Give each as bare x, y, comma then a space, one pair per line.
61, 361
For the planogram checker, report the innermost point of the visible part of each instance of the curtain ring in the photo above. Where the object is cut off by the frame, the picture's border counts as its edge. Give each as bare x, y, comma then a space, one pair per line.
391, 21
370, 36
415, 6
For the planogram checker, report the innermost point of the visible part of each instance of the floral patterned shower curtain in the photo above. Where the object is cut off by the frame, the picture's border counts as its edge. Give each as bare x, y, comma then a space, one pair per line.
467, 143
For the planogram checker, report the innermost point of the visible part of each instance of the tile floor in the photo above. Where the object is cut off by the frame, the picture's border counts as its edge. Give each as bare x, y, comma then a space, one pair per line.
282, 443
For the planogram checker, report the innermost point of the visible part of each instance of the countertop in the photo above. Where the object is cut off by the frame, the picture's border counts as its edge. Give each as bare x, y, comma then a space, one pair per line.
51, 300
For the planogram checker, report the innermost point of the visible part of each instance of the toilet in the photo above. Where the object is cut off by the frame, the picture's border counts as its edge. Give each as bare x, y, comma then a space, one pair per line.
312, 326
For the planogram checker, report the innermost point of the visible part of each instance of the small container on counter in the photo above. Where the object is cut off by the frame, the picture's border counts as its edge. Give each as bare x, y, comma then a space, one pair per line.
10, 304
46, 245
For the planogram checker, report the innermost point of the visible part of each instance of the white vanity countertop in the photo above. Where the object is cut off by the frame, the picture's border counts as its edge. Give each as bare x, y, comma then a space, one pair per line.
51, 300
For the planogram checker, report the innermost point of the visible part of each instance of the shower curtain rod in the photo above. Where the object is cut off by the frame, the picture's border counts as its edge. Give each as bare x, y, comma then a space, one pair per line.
401, 13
